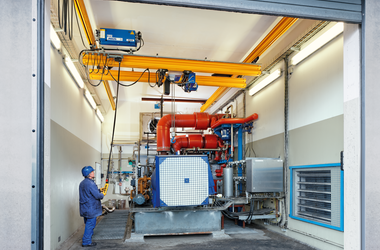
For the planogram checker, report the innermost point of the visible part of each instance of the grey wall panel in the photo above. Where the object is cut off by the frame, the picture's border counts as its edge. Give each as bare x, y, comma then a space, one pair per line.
69, 155
337, 10
317, 143
16, 124
270, 147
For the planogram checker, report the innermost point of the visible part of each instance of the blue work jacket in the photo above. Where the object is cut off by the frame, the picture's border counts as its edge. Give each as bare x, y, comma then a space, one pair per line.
89, 199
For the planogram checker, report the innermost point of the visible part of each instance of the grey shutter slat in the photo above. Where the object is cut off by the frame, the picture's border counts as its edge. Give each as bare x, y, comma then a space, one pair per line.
359, 2
335, 10
319, 183
317, 4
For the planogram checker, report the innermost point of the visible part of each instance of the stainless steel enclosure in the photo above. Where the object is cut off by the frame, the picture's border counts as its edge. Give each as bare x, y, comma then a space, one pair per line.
264, 175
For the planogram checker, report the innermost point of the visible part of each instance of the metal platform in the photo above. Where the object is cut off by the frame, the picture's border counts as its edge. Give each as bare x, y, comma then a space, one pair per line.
112, 226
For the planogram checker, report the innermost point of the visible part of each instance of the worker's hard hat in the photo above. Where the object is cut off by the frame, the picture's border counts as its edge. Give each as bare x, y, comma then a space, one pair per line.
87, 170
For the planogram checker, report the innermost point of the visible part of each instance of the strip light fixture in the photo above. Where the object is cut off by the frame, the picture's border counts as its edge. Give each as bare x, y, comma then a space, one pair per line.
265, 82
326, 37
74, 72
54, 39
89, 98
99, 114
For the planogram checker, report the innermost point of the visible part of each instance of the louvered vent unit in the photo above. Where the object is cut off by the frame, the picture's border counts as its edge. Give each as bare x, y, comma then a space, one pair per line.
317, 195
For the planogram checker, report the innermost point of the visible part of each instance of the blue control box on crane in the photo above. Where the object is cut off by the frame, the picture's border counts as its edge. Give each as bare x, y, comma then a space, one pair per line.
117, 37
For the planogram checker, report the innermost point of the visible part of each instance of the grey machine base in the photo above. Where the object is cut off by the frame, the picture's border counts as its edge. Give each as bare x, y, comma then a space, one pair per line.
177, 222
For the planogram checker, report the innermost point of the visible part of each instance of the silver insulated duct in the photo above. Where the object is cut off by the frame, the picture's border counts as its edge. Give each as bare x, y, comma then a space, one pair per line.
228, 183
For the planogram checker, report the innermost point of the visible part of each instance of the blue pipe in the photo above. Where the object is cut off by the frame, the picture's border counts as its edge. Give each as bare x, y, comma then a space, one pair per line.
240, 143
240, 154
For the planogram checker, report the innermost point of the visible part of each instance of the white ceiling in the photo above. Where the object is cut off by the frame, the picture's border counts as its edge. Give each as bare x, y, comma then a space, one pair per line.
179, 32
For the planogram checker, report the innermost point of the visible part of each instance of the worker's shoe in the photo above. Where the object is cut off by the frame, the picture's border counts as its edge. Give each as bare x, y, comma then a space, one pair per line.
90, 245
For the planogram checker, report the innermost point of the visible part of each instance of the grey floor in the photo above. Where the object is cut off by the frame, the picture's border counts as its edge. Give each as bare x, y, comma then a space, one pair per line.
234, 237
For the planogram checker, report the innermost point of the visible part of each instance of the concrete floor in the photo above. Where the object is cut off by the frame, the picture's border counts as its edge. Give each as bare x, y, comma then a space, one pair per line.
252, 237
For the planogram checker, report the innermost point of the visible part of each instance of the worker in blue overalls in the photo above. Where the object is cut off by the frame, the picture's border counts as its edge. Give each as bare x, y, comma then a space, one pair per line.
89, 204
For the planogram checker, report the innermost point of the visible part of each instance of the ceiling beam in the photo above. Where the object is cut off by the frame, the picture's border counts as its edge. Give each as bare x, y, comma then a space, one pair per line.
132, 76
282, 26
173, 64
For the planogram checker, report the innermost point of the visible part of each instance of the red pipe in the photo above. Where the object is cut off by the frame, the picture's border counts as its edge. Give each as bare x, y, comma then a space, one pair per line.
234, 120
197, 141
199, 121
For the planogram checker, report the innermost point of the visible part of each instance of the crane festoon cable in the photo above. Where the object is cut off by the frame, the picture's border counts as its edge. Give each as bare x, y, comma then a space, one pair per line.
113, 131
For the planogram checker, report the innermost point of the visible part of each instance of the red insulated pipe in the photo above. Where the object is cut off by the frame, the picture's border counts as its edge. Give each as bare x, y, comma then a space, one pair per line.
199, 121
234, 120
197, 141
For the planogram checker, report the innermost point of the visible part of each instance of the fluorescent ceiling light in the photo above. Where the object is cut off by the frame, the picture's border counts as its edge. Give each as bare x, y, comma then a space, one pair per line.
266, 81
89, 98
74, 72
317, 43
54, 38
100, 116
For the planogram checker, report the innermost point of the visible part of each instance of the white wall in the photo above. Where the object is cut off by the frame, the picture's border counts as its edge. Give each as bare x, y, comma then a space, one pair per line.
316, 86
75, 143
315, 99
269, 105
69, 108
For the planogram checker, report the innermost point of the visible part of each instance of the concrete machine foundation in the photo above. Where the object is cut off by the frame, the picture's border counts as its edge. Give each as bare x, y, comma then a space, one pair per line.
177, 222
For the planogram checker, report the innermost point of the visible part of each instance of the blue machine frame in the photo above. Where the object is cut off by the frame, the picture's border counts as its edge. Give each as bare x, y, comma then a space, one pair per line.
341, 227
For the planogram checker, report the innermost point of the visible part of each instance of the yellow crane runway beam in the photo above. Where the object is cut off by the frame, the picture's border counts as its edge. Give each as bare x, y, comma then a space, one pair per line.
281, 27
129, 76
174, 64
83, 17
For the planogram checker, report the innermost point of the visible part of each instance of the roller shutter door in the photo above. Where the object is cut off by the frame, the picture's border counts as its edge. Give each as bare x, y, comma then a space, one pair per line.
335, 10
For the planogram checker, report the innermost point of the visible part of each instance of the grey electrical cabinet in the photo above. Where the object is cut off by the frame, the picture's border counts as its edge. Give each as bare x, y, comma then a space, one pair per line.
264, 175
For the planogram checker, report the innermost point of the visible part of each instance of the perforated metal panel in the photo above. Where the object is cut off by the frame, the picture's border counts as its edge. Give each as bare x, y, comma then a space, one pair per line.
181, 181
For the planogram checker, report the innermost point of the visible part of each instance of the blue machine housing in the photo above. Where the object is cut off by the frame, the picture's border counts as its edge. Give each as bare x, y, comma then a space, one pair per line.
181, 180
191, 85
117, 37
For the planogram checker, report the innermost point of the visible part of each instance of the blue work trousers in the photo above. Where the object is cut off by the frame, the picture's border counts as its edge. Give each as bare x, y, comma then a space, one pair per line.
88, 231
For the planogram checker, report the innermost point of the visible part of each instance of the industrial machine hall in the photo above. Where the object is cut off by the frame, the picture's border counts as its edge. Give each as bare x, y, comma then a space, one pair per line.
242, 124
